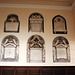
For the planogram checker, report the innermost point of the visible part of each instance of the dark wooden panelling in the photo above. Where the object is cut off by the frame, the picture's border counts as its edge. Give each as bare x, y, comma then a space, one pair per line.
7, 71
34, 72
71, 71
47, 71
59, 71
0, 71
21, 71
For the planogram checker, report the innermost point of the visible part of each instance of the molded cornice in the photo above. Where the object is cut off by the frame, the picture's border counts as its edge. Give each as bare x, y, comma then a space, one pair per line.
36, 6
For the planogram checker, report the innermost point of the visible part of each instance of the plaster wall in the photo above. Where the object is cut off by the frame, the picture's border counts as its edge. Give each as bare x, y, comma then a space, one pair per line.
73, 10
48, 36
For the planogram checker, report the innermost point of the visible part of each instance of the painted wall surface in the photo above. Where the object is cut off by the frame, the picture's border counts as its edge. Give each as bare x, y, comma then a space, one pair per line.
73, 14
48, 36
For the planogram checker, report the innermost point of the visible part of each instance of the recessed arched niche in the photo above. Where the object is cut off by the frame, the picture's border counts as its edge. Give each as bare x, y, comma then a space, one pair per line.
36, 49
61, 50
59, 25
36, 23
10, 48
12, 23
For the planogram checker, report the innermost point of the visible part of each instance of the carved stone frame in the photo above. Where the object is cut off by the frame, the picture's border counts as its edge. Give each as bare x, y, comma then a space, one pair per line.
34, 45
59, 25
64, 55
10, 48
36, 23
12, 23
